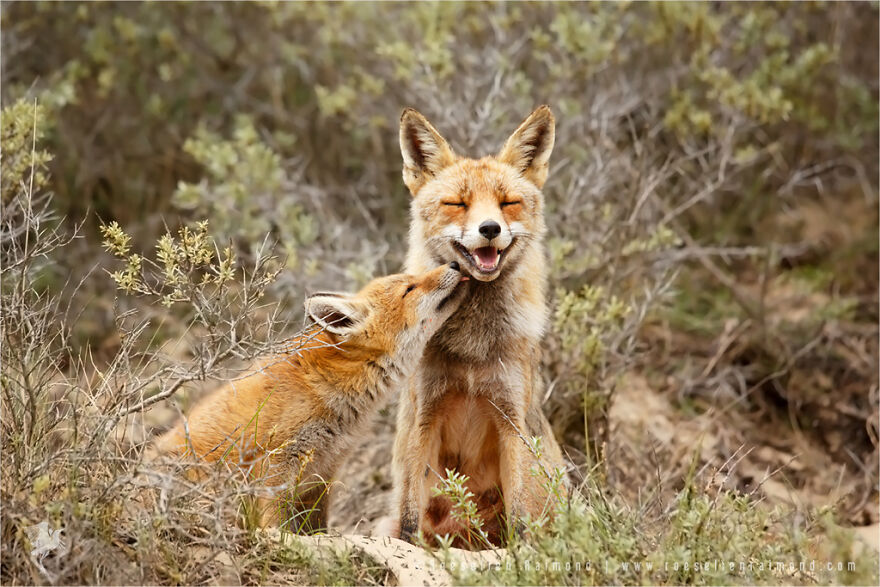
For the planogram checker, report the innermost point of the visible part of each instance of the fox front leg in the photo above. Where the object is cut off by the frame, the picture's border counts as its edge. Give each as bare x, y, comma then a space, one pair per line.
415, 486
409, 511
514, 463
416, 482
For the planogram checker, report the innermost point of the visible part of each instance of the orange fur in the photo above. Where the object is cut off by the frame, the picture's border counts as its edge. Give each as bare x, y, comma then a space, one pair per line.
476, 394
291, 421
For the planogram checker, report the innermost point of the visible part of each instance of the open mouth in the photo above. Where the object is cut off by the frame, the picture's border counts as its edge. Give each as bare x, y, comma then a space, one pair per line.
485, 260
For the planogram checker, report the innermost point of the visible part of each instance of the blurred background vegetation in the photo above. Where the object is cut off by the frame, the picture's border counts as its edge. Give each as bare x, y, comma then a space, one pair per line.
712, 201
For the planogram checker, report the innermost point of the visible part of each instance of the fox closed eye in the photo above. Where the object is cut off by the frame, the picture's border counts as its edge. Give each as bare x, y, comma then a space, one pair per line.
456, 204
408, 289
506, 204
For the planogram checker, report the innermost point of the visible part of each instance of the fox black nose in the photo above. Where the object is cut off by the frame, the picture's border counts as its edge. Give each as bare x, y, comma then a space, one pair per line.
454, 265
490, 229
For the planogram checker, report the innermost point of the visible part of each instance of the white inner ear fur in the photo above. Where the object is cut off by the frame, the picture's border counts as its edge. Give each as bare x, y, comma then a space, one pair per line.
425, 152
336, 312
528, 148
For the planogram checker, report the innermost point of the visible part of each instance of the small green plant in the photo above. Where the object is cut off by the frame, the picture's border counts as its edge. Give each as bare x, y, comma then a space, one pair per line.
585, 323
453, 486
187, 262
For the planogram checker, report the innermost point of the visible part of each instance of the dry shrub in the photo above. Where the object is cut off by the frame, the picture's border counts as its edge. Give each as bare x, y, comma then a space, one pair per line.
712, 214
73, 427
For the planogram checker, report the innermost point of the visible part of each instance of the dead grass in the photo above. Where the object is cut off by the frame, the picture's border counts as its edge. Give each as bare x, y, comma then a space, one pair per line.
733, 400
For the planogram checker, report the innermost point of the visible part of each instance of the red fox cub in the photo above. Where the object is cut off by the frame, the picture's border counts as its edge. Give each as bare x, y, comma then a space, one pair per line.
290, 423
476, 395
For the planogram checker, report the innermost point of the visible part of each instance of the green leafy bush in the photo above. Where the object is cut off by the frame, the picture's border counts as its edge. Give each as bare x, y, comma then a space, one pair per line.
712, 227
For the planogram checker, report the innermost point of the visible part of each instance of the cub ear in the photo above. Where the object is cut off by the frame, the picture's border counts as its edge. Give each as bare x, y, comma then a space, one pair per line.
336, 312
528, 148
424, 151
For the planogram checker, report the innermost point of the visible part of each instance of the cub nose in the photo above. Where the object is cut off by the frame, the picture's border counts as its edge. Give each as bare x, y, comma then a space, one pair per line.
454, 265
490, 229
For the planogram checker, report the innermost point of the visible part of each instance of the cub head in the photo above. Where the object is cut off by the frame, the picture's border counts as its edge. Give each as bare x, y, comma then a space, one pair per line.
482, 212
393, 314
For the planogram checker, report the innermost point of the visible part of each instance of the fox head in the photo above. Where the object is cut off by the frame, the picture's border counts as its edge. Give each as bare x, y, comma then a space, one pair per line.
392, 315
481, 212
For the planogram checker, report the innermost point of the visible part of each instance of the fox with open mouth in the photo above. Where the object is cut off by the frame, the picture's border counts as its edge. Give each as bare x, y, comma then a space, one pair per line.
476, 395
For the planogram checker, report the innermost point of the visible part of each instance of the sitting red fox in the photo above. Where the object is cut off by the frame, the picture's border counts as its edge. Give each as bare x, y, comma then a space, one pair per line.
476, 395
291, 422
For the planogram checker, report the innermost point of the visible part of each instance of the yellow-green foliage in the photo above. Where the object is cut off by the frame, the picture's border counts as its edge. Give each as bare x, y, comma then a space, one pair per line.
307, 70
583, 320
585, 323
677, 123
661, 238
243, 191
186, 261
597, 540
22, 126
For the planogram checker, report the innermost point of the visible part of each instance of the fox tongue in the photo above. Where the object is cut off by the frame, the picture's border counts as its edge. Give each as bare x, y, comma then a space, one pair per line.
487, 258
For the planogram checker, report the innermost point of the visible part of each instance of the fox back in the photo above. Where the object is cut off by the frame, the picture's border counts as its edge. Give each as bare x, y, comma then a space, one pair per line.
289, 423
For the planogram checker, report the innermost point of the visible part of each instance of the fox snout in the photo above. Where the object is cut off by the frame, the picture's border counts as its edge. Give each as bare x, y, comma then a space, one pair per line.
489, 229
443, 283
443, 278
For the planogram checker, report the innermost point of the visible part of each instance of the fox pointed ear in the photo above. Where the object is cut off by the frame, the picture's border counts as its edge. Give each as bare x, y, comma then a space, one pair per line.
528, 148
338, 313
424, 151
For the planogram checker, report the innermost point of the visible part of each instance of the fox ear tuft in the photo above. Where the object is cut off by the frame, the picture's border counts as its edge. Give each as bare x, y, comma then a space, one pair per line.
425, 152
528, 148
336, 312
